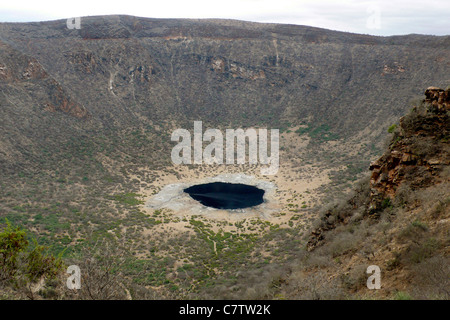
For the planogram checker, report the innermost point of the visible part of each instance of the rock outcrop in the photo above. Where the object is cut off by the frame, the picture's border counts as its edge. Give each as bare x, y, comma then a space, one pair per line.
27, 75
438, 98
419, 148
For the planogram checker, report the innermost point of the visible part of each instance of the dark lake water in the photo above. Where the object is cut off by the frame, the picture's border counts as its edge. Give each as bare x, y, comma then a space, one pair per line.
223, 195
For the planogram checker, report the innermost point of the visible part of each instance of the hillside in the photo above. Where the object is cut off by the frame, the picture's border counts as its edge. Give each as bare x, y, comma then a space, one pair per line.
121, 72
399, 220
86, 117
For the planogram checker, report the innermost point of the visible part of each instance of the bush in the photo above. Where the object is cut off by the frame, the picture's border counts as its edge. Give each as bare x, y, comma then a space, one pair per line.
404, 195
41, 264
420, 225
414, 230
419, 253
401, 295
392, 128
315, 286
342, 243
432, 278
394, 263
22, 265
355, 279
317, 260
127, 198
386, 203
12, 243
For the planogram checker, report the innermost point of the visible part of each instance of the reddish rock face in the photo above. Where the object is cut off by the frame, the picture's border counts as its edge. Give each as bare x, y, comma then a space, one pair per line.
26, 73
16, 67
60, 101
439, 98
405, 159
419, 149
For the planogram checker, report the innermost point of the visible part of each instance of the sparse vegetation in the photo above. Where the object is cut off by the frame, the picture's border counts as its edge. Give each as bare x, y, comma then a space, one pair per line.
74, 166
24, 264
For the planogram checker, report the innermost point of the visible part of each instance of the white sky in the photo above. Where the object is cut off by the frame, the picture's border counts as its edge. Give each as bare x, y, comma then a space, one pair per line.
377, 17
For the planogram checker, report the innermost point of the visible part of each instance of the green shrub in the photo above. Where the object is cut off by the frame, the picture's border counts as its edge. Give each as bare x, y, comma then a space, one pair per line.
414, 230
12, 243
393, 263
420, 225
392, 128
386, 203
424, 251
127, 198
401, 295
24, 263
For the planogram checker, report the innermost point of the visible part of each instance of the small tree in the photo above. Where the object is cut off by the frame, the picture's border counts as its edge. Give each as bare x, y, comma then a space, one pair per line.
12, 242
392, 128
22, 265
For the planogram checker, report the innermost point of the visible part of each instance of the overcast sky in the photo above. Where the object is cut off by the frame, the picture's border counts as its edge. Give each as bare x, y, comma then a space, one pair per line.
377, 17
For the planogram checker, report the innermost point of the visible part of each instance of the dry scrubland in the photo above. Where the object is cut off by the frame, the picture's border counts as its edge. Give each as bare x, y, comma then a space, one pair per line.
160, 254
169, 254
85, 123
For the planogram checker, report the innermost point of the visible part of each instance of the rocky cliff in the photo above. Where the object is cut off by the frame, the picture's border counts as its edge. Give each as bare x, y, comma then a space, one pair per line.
418, 151
123, 72
21, 74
